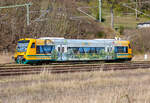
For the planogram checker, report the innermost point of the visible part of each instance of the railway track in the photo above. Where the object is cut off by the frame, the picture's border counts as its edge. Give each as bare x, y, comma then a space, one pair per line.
17, 69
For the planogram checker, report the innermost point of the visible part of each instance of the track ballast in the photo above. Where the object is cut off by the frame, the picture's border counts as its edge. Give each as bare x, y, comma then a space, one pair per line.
17, 69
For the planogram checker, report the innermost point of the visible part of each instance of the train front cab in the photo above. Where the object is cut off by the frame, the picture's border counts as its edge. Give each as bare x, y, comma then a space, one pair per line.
24, 48
32, 51
123, 51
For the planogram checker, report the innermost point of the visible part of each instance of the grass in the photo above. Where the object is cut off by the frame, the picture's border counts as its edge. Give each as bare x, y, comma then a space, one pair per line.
140, 57
128, 21
91, 87
6, 58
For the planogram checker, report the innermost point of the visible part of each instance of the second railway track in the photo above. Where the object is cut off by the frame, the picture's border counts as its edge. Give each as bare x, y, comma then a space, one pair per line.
13, 69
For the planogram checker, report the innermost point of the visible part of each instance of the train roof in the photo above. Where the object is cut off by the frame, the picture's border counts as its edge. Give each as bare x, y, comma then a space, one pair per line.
57, 39
52, 38
81, 42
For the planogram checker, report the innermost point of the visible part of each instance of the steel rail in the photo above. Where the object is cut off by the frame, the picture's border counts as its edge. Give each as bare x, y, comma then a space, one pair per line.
65, 68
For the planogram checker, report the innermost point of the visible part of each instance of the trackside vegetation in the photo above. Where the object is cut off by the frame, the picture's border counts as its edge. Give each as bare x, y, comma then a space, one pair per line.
91, 87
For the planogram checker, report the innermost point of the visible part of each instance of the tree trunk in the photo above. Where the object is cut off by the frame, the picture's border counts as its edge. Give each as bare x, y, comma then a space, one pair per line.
112, 17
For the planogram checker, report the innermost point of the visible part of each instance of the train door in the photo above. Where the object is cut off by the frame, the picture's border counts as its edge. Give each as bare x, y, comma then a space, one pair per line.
109, 52
62, 51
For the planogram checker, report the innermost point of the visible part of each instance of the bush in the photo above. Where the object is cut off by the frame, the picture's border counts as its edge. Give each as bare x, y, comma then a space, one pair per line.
100, 34
120, 29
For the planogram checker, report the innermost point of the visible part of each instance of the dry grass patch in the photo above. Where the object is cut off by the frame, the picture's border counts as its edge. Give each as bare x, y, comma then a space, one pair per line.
6, 58
91, 87
140, 57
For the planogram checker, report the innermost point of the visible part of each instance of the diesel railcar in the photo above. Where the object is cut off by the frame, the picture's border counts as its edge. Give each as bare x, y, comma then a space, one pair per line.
48, 49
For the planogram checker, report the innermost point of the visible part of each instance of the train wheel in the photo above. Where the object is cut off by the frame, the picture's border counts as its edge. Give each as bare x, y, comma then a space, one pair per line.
20, 60
23, 61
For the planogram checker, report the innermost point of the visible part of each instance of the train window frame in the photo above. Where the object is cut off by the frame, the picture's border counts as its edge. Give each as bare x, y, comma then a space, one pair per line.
127, 49
87, 49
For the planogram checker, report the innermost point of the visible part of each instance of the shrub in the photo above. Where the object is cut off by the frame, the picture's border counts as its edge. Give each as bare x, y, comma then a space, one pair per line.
100, 34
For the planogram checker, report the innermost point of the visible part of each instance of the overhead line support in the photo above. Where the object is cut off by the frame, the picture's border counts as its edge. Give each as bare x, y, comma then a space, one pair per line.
27, 5
100, 10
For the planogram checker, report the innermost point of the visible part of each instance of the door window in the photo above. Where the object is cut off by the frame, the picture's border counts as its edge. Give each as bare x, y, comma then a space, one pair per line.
33, 45
63, 49
58, 49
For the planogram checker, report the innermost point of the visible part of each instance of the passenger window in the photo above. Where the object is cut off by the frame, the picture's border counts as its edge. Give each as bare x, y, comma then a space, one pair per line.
59, 49
33, 45
44, 49
81, 50
87, 49
92, 50
99, 49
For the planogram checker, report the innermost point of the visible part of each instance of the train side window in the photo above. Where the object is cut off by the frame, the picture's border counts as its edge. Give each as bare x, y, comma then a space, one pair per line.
81, 50
76, 50
87, 49
42, 49
63, 49
93, 50
121, 49
116, 50
59, 49
99, 49
33, 45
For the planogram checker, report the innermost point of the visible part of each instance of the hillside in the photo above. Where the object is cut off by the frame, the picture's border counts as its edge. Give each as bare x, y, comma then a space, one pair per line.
47, 18
63, 19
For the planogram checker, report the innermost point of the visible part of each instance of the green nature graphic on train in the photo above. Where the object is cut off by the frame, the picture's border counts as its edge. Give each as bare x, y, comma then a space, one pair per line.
84, 53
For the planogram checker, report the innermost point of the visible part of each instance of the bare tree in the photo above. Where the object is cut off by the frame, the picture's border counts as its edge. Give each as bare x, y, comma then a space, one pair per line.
112, 4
